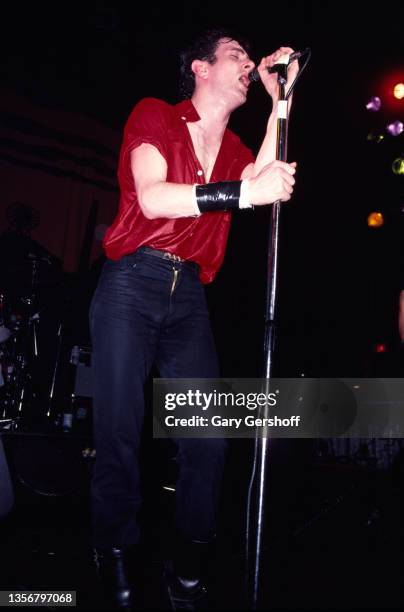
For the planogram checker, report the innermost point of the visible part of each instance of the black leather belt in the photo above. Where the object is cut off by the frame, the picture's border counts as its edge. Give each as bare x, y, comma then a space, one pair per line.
170, 257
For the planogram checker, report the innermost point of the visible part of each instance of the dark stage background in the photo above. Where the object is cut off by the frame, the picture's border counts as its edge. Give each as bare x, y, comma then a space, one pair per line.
70, 79
70, 75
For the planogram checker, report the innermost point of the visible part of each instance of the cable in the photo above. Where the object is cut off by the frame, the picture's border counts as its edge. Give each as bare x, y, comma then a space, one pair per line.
249, 494
308, 54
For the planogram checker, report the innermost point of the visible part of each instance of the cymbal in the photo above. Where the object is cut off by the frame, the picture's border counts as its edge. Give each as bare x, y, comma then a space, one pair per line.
41, 258
20, 250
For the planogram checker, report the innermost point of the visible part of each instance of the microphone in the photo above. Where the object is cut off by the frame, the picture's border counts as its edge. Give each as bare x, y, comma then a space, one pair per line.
254, 75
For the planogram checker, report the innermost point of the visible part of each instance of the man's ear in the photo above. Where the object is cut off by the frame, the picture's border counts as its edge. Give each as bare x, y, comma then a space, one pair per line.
200, 68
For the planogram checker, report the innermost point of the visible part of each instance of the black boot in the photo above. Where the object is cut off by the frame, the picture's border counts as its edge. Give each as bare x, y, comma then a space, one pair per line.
183, 577
113, 574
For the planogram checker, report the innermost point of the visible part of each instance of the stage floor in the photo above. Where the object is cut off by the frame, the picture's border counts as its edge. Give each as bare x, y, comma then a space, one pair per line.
334, 543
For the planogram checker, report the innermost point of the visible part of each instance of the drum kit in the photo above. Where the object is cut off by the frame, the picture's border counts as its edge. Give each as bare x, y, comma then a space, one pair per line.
21, 311
38, 376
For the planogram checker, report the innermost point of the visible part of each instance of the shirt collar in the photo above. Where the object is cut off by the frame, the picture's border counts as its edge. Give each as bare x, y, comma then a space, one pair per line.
187, 111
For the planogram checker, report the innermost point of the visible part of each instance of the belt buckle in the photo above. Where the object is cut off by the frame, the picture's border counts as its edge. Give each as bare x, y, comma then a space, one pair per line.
173, 257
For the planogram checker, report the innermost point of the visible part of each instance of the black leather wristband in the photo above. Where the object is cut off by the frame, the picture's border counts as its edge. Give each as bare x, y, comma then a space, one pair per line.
224, 195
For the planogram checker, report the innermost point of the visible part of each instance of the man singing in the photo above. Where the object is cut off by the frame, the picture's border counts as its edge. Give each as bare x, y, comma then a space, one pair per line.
181, 174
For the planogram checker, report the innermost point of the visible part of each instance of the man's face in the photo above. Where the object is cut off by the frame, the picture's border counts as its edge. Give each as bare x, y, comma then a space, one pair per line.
229, 74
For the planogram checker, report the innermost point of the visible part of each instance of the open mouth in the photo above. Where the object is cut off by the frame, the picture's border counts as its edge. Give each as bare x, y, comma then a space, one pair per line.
245, 80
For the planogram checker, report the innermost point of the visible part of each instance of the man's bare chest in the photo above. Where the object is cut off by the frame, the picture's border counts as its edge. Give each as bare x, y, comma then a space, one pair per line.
206, 150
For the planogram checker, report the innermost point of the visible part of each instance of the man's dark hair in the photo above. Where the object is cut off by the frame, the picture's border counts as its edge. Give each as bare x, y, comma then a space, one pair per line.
204, 49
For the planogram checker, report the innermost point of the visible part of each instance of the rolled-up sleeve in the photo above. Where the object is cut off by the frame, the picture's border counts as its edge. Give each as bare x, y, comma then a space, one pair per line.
147, 123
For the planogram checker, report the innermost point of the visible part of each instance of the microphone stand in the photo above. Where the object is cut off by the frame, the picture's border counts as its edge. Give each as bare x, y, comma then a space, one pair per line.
262, 443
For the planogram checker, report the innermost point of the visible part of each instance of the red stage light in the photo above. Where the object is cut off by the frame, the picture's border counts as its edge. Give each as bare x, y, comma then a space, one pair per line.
391, 90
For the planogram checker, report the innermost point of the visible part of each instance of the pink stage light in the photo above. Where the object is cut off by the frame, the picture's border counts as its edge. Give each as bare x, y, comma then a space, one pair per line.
395, 128
374, 104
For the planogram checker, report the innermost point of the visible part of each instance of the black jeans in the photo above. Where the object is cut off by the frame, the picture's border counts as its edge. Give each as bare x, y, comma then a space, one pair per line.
137, 319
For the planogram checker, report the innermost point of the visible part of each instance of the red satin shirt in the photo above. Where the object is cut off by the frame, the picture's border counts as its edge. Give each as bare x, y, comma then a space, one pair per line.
200, 239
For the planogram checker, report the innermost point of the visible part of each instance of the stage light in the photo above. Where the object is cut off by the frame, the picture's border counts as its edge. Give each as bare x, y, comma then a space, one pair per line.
375, 219
395, 128
398, 91
380, 348
374, 104
375, 136
398, 165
